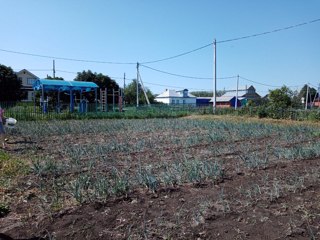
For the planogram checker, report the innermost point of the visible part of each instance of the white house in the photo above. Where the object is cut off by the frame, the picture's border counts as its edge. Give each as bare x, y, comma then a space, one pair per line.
27, 79
173, 97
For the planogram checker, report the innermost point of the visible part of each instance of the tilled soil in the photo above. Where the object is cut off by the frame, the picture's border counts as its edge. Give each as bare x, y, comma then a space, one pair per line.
277, 201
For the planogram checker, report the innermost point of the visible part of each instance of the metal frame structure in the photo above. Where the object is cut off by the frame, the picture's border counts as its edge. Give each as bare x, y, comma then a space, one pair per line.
45, 85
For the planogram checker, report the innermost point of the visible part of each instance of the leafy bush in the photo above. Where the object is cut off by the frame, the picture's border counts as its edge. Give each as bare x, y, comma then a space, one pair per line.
262, 112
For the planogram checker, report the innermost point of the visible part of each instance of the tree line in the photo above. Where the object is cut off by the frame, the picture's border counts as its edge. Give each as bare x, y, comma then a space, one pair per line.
280, 98
11, 87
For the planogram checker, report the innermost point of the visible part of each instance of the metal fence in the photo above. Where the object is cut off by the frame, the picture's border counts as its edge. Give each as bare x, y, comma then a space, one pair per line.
29, 111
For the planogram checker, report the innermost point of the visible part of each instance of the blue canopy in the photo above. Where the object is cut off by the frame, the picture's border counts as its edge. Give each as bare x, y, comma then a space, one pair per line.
62, 85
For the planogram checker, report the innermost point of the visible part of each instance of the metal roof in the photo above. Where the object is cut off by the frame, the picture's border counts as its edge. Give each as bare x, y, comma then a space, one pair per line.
226, 98
62, 85
170, 93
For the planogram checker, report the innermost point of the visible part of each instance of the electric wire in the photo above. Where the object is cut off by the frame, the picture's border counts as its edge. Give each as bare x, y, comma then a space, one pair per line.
176, 87
269, 32
35, 70
316, 87
63, 71
66, 59
178, 55
233, 39
184, 76
167, 58
149, 83
267, 85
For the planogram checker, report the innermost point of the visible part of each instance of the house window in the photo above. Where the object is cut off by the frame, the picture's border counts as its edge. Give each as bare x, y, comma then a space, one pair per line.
184, 101
30, 81
173, 101
177, 101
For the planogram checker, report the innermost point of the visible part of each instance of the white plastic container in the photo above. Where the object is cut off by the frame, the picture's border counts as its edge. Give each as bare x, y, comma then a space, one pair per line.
10, 122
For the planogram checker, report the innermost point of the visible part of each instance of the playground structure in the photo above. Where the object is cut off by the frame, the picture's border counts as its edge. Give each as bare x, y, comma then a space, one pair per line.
104, 93
73, 88
68, 87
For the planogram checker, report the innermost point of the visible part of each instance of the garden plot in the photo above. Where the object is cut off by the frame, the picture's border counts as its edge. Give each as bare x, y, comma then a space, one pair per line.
161, 179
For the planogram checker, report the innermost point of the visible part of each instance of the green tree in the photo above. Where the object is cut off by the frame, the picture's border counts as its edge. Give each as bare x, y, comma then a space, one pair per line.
54, 78
280, 97
101, 80
296, 100
207, 93
311, 94
131, 94
10, 85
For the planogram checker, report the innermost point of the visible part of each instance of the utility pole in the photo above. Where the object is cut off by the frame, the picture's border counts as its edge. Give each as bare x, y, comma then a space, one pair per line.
124, 87
144, 90
113, 100
54, 69
236, 104
137, 81
319, 96
215, 75
307, 97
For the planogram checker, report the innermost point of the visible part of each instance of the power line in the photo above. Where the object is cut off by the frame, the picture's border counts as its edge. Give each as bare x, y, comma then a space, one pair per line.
64, 58
263, 84
267, 85
314, 86
234, 39
269, 32
179, 55
63, 71
184, 76
231, 77
178, 75
35, 70
167, 58
162, 85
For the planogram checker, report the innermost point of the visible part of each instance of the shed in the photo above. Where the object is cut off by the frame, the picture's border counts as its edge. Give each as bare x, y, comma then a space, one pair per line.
45, 85
228, 101
203, 101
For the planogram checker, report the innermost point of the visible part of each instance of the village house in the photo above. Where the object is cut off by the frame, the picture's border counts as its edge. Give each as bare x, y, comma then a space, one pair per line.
27, 79
244, 95
173, 97
247, 93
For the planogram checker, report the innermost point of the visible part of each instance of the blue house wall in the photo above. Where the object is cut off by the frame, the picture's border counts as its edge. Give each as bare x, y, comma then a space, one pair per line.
233, 102
203, 102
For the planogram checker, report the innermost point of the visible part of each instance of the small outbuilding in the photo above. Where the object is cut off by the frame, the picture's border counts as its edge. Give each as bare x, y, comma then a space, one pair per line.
204, 101
227, 101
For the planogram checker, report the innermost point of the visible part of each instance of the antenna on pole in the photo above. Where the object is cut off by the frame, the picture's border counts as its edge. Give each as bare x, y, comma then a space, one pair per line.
215, 75
54, 69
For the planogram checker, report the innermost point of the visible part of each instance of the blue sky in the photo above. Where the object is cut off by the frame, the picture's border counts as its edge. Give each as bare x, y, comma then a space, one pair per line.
128, 31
